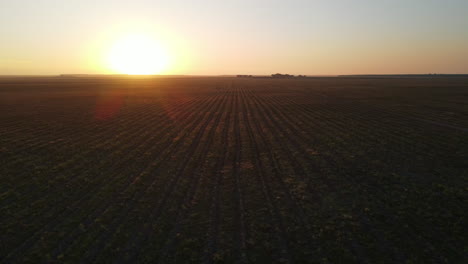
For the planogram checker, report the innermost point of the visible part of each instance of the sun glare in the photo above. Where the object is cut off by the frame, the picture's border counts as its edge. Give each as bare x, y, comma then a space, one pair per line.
137, 54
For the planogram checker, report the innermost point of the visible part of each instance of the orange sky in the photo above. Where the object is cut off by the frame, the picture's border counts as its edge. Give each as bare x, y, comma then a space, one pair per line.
239, 37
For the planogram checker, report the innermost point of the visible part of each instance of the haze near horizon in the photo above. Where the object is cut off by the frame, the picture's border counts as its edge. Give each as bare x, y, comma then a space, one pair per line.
233, 37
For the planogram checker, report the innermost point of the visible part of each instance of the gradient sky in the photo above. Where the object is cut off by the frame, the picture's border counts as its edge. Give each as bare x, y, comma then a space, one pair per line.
241, 37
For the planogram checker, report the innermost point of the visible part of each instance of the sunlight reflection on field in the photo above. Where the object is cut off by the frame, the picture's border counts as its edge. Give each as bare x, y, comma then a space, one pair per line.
107, 106
170, 102
110, 103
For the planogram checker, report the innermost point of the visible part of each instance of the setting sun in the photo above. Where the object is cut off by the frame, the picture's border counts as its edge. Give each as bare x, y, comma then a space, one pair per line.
246, 131
137, 54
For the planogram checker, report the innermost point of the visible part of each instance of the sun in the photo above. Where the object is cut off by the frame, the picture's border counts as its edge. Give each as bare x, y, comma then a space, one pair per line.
137, 54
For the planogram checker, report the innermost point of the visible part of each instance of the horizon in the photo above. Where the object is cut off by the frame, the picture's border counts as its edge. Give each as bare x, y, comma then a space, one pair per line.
228, 75
236, 131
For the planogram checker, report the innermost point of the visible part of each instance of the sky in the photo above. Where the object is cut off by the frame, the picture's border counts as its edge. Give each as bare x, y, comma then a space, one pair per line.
213, 37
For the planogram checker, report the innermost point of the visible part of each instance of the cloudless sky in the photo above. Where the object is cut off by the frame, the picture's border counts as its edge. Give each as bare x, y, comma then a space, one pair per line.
240, 36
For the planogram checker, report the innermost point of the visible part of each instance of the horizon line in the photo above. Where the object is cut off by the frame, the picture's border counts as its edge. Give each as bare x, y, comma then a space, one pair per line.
226, 75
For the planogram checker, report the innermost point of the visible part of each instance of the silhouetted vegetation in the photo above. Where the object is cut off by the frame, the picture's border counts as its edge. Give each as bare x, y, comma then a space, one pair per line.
279, 75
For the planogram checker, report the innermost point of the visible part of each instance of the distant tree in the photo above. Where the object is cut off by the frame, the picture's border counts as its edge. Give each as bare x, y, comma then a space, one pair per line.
279, 75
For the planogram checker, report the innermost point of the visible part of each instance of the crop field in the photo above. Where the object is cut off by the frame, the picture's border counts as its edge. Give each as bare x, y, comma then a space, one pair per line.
233, 170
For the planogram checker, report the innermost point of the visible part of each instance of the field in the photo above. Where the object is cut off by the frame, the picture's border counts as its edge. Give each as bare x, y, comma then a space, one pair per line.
233, 170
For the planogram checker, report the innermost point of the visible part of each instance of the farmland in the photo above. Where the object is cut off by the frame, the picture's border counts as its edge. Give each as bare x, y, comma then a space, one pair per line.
233, 170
